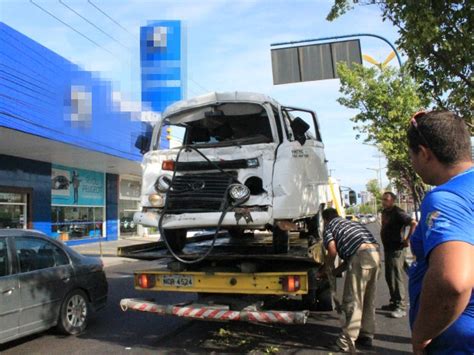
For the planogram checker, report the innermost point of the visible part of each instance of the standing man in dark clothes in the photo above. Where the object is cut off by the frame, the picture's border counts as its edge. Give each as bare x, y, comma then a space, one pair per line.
360, 251
394, 221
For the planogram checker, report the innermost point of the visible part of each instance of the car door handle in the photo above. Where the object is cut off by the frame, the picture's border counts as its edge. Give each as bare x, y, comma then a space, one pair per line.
66, 279
8, 292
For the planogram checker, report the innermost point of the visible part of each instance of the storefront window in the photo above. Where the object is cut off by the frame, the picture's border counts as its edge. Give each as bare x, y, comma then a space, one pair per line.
129, 203
12, 210
78, 199
77, 222
127, 209
10, 197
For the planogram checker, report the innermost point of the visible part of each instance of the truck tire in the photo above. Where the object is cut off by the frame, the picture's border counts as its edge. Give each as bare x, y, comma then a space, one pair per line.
319, 297
281, 241
176, 239
324, 298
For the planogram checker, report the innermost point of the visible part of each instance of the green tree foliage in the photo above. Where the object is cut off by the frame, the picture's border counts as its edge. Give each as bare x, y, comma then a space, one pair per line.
373, 187
437, 37
367, 208
385, 99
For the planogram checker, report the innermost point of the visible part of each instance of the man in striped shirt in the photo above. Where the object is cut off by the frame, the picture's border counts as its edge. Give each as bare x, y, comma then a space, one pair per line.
360, 251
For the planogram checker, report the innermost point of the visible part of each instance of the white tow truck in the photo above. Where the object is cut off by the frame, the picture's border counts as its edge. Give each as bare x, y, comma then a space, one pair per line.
251, 177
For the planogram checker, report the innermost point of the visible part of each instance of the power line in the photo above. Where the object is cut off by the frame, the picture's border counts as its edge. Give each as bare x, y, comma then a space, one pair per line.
199, 85
110, 18
193, 91
92, 24
72, 28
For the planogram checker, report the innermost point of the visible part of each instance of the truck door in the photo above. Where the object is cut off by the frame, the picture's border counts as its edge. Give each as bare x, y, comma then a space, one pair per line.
306, 171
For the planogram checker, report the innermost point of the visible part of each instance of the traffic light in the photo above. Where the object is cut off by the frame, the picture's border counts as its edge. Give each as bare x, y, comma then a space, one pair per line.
352, 197
168, 133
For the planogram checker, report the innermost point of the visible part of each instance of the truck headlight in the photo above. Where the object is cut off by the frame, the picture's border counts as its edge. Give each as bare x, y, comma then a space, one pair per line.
239, 193
163, 183
156, 200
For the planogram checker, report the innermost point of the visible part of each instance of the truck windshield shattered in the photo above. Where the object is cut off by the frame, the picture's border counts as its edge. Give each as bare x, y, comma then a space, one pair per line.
221, 125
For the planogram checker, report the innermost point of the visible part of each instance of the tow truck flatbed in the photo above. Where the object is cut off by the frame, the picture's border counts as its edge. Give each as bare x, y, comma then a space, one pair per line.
249, 247
239, 281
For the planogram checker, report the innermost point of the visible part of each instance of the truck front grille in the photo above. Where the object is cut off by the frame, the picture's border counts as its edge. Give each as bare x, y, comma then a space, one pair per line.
205, 165
198, 192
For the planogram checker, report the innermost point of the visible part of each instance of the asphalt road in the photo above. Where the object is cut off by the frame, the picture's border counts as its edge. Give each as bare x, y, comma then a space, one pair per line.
113, 331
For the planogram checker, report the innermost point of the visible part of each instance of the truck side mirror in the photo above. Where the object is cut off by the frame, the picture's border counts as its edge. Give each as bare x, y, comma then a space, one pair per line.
299, 128
142, 143
352, 197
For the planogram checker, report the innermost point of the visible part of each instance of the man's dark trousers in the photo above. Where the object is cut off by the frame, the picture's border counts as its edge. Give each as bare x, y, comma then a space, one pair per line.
395, 276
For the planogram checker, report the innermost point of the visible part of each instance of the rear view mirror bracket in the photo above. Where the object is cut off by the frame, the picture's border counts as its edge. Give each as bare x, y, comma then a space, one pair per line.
143, 143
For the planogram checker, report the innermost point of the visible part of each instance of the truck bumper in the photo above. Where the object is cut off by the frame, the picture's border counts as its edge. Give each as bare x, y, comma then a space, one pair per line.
250, 219
215, 312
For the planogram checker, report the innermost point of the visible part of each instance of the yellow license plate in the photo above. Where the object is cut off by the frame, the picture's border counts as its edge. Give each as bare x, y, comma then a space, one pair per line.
177, 280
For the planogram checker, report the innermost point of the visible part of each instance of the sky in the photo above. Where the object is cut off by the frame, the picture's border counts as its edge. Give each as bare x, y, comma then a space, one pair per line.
227, 49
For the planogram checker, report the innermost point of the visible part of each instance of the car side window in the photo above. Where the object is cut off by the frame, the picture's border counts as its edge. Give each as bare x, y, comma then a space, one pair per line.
4, 264
36, 254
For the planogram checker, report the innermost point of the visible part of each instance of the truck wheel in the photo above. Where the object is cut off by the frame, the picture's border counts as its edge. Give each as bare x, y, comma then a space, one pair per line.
281, 241
324, 298
176, 238
318, 300
74, 313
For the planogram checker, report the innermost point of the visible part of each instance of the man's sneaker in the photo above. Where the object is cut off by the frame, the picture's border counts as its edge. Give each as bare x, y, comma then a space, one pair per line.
364, 342
389, 307
398, 313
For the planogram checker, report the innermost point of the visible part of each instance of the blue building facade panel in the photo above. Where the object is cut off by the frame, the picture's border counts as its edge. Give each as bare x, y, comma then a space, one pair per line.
46, 95
111, 211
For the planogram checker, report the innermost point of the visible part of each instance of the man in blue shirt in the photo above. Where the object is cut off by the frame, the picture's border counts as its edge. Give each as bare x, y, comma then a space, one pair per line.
442, 277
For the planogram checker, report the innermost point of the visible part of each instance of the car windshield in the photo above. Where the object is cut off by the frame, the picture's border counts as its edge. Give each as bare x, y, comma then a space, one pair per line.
218, 127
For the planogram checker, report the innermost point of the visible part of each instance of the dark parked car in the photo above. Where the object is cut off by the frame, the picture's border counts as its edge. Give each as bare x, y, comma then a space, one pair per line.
44, 283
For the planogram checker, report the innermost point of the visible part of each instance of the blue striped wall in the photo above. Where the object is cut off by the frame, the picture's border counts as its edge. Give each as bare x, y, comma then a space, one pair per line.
35, 98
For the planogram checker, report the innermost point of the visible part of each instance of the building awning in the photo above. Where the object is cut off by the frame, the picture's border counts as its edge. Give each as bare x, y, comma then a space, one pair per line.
23, 145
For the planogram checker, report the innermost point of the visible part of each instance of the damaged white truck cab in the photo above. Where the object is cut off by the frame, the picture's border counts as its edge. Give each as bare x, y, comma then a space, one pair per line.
245, 163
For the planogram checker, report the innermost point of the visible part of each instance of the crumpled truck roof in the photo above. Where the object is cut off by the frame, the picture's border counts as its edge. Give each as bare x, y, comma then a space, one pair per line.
216, 97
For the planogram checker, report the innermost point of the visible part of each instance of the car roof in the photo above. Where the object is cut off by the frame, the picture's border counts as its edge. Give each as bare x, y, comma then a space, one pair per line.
20, 232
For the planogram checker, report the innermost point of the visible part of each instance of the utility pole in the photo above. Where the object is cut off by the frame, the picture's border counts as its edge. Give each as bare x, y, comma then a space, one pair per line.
380, 155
